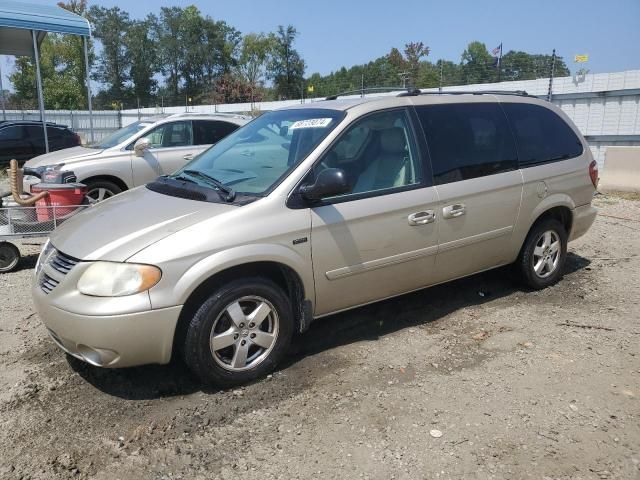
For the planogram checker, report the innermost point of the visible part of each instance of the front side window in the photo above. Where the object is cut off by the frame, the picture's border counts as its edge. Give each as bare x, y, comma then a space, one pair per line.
467, 140
254, 158
541, 134
168, 135
377, 153
10, 133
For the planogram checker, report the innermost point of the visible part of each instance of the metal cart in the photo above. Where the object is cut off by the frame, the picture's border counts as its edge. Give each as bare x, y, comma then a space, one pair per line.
20, 222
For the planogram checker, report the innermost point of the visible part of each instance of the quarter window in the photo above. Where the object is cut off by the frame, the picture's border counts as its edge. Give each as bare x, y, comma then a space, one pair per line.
541, 134
467, 140
377, 153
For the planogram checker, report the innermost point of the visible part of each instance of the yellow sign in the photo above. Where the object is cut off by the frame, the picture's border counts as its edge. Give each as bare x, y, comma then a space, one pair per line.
581, 58
310, 89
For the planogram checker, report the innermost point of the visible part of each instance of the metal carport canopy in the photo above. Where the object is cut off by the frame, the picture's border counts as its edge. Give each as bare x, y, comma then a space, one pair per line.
23, 26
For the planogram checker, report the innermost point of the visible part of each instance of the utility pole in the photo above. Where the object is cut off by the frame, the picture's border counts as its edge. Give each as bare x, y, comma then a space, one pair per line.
441, 72
553, 68
362, 85
4, 113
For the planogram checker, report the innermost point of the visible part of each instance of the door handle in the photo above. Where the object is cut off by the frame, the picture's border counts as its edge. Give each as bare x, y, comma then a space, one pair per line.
188, 156
421, 218
453, 211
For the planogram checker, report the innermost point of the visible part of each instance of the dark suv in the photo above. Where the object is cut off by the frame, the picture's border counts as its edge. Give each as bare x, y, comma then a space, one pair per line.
24, 139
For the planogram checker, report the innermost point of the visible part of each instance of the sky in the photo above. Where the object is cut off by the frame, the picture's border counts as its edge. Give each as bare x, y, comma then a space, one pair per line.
336, 33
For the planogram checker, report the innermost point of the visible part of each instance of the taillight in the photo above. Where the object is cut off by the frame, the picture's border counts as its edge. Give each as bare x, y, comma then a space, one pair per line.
593, 173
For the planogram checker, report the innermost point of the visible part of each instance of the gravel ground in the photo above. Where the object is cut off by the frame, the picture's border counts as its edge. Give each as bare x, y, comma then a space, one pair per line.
473, 379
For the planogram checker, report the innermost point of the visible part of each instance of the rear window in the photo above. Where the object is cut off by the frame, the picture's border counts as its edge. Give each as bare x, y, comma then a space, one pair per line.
542, 136
207, 132
467, 140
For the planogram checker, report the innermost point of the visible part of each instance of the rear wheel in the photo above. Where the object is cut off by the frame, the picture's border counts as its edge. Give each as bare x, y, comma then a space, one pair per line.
9, 257
541, 262
99, 190
239, 333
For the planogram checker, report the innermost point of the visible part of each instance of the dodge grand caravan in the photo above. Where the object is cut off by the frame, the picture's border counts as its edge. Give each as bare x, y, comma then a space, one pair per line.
309, 211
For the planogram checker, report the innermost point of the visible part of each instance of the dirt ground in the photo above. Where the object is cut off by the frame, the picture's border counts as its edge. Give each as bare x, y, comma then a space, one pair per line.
474, 379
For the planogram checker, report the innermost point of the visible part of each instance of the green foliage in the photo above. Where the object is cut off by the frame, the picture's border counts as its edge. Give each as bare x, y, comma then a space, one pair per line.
286, 68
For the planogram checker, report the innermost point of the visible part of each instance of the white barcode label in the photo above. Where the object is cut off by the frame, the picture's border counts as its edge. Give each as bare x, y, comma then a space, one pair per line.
311, 123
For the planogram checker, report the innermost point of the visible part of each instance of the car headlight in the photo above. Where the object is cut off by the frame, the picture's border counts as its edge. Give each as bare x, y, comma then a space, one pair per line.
47, 249
111, 279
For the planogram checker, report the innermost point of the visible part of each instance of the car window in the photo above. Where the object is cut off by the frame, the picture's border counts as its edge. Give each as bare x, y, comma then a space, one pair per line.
35, 132
208, 132
542, 136
13, 132
377, 153
467, 140
174, 134
121, 135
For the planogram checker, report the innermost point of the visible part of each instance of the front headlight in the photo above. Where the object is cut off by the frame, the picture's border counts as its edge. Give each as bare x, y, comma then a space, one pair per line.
47, 249
110, 279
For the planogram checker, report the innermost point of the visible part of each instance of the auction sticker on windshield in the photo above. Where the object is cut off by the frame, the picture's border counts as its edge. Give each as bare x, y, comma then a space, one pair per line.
311, 123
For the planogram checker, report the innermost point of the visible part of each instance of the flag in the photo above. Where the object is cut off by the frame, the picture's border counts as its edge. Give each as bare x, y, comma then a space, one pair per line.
497, 51
310, 89
581, 58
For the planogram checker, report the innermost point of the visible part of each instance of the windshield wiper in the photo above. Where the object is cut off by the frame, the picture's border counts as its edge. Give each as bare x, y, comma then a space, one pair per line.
185, 179
229, 193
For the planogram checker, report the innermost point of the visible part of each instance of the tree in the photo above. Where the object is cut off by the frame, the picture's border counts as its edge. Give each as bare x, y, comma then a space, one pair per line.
516, 65
169, 45
255, 52
141, 48
286, 68
110, 27
478, 66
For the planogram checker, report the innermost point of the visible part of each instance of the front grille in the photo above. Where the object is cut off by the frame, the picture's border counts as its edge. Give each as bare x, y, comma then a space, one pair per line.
47, 283
62, 263
59, 262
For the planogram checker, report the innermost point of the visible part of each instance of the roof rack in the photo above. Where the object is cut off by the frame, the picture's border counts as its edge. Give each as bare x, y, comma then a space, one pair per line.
204, 114
416, 92
363, 91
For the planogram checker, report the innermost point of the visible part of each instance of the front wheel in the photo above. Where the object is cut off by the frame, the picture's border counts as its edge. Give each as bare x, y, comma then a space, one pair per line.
239, 333
541, 261
99, 190
9, 257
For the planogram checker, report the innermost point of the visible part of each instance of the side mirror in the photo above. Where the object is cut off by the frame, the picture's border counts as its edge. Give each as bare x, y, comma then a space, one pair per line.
141, 145
330, 182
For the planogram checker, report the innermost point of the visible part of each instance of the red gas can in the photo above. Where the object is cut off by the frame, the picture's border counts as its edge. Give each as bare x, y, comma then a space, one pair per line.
63, 199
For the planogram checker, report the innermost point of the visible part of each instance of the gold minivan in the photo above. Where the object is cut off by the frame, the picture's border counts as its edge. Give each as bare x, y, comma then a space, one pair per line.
312, 210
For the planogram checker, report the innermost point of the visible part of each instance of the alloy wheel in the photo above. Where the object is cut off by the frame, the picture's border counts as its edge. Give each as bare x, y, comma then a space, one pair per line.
546, 254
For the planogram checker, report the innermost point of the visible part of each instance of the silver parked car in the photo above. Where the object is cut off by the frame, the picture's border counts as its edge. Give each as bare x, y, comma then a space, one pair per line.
309, 211
140, 152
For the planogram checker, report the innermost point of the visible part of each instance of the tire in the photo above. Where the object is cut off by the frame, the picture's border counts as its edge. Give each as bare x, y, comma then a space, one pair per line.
98, 190
540, 264
9, 257
214, 347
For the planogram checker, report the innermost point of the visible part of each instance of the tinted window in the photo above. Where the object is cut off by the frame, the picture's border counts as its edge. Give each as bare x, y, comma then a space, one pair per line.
467, 140
11, 133
376, 153
175, 134
35, 132
208, 132
542, 135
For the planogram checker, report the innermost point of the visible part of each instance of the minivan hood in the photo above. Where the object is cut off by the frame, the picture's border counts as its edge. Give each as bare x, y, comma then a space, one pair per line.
66, 155
123, 225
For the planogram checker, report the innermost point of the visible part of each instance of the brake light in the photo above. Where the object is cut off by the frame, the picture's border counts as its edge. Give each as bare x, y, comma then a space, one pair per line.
593, 173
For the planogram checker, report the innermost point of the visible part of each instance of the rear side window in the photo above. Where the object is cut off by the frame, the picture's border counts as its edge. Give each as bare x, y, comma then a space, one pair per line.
542, 136
209, 132
467, 140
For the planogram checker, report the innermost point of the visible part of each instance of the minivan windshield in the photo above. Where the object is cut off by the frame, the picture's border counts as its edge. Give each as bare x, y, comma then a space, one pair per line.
254, 158
120, 136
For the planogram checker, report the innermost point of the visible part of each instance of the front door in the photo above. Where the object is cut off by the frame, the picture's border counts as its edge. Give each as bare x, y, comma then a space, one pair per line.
380, 239
479, 186
171, 148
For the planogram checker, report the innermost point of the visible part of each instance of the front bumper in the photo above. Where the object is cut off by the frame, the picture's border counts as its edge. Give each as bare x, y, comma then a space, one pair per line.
125, 340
